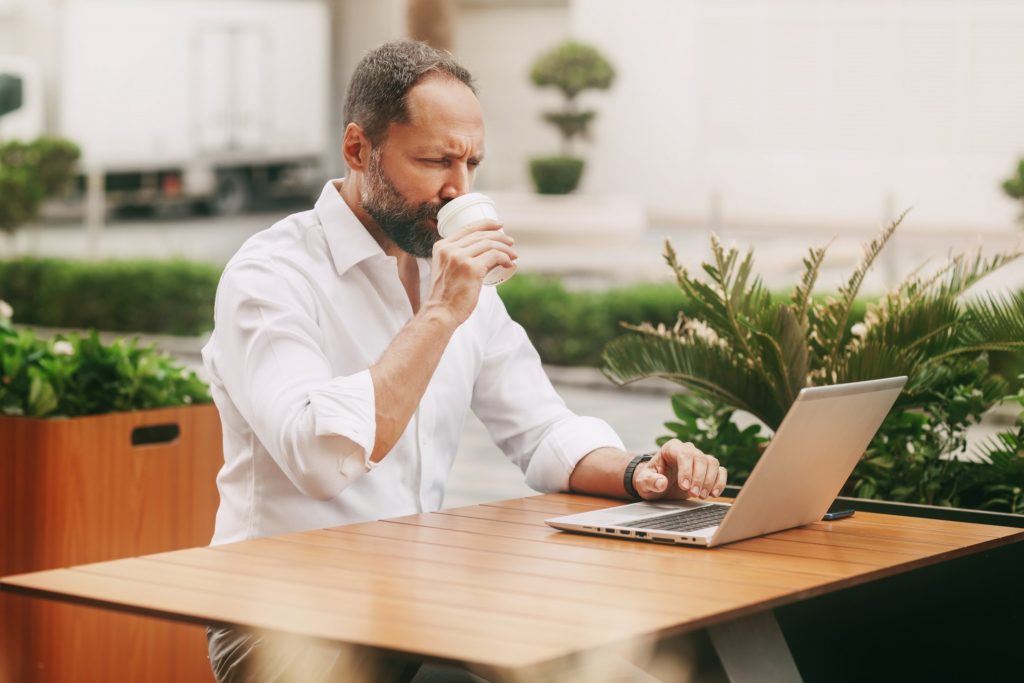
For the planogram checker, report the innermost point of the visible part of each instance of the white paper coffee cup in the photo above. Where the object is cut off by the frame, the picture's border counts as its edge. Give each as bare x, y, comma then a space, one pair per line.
471, 210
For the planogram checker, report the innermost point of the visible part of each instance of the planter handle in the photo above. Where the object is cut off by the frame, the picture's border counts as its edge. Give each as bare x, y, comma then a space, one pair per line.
155, 435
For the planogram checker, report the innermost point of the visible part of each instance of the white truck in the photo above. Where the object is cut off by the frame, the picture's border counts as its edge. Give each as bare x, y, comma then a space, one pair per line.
171, 101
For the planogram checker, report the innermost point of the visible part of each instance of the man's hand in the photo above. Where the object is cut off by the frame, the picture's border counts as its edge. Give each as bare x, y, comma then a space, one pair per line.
679, 470
460, 263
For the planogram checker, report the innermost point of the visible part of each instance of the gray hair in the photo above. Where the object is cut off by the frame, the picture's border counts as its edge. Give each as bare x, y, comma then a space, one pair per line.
379, 90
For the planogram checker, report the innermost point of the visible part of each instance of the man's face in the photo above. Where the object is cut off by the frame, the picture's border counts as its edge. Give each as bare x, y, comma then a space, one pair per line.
425, 163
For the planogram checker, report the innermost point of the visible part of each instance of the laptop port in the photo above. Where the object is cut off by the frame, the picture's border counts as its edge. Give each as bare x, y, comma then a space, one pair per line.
624, 532
641, 534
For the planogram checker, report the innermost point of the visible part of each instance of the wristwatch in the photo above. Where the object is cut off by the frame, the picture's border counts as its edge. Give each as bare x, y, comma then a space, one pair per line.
627, 477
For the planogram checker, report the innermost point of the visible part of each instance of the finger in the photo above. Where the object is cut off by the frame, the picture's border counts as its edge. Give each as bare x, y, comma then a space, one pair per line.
482, 246
720, 482
683, 458
488, 260
700, 470
711, 477
648, 482
483, 228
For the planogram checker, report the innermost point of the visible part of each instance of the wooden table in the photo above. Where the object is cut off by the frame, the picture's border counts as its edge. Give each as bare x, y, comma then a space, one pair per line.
492, 586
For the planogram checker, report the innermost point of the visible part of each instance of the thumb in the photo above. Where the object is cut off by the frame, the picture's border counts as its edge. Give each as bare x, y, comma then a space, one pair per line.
649, 482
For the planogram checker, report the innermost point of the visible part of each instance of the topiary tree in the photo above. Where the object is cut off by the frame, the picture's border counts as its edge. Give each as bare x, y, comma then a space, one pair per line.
1014, 185
30, 172
571, 68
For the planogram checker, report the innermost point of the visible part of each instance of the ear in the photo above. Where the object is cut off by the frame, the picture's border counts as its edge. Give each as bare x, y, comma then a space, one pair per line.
355, 148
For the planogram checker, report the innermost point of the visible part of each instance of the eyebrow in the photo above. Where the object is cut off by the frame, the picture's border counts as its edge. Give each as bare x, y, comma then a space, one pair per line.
449, 152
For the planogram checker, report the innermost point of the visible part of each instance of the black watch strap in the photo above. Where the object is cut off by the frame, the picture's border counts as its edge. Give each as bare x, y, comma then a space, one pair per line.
627, 476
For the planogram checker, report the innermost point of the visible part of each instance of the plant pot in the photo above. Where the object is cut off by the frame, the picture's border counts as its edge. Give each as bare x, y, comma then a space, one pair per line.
97, 488
556, 175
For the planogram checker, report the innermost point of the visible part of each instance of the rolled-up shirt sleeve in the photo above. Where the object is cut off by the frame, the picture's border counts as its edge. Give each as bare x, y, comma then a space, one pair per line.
524, 414
319, 428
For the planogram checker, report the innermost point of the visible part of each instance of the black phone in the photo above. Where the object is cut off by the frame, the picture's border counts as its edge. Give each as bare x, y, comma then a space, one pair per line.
837, 514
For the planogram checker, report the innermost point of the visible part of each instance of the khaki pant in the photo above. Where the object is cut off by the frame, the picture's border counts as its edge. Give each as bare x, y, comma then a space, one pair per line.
240, 655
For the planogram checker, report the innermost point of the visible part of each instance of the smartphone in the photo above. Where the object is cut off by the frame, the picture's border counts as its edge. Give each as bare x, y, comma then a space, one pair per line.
837, 514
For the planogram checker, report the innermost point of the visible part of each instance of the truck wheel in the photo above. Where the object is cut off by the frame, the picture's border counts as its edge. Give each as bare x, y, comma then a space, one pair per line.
233, 194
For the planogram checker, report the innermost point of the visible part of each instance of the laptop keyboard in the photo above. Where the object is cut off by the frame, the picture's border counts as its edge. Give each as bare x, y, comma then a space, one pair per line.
687, 520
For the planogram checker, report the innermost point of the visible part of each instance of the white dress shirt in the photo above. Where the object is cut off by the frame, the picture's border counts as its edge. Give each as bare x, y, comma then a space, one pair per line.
303, 310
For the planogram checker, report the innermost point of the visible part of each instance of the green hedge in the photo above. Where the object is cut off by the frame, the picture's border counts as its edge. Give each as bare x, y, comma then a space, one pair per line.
572, 328
157, 297
176, 297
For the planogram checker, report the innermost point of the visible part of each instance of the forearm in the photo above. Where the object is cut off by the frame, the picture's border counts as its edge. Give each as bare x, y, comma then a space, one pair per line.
600, 473
402, 374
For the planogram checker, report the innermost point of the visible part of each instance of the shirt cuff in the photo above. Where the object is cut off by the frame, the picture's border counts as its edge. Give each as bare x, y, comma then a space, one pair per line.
346, 407
563, 447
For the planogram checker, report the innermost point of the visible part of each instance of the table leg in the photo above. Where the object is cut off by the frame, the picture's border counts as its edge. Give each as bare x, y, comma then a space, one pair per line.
753, 649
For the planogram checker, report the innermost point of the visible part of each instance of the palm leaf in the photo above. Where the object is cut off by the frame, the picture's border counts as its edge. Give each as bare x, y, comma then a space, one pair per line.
992, 323
734, 303
791, 331
801, 296
706, 367
873, 361
833, 319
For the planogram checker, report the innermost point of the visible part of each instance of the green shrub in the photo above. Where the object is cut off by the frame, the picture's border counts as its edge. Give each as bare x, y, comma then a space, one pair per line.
30, 172
556, 175
1014, 185
157, 297
71, 376
571, 68
748, 350
572, 328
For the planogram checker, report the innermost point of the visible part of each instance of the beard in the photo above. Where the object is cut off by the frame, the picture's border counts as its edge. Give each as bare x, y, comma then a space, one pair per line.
404, 225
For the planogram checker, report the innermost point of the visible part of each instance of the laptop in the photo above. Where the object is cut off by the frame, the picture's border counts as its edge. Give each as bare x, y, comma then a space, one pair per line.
811, 456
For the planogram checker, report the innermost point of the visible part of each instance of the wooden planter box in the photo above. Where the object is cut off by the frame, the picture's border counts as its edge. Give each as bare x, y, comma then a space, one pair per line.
83, 490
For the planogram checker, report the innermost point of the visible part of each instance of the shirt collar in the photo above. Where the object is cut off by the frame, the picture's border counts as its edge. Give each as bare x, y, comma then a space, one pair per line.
347, 238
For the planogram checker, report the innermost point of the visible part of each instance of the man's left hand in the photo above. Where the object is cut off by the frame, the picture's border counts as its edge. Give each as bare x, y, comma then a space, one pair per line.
679, 470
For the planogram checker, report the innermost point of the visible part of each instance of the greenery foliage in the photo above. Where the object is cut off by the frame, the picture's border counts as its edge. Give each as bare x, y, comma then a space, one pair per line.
743, 350
74, 375
165, 297
1014, 185
572, 328
571, 68
556, 175
30, 172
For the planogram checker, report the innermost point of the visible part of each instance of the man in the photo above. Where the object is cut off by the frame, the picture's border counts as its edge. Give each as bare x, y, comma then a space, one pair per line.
350, 341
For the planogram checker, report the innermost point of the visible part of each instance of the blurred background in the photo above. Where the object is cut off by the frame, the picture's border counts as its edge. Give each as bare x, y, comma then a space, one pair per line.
748, 115
171, 130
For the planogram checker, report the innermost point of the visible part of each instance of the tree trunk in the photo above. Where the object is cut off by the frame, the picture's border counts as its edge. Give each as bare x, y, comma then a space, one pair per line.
433, 22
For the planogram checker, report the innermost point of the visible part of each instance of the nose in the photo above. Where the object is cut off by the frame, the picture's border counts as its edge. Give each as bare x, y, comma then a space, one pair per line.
457, 183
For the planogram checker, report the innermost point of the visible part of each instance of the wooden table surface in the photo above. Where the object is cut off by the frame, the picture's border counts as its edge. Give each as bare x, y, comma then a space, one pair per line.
492, 585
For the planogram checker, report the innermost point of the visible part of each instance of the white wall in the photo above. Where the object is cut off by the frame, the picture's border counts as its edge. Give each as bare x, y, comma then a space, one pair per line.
498, 41
810, 112
357, 27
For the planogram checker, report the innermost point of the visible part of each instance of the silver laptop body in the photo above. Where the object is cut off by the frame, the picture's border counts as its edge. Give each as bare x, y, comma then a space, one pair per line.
812, 454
